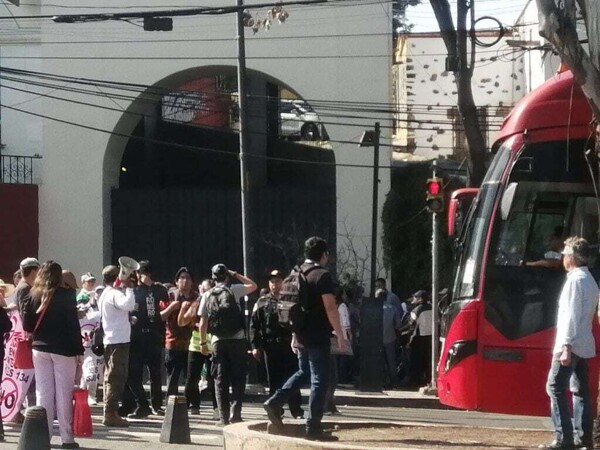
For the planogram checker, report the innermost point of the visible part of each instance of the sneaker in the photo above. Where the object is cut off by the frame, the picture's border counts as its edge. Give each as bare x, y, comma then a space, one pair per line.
299, 414
222, 423
195, 411
70, 445
140, 413
274, 412
235, 419
216, 414
320, 436
158, 411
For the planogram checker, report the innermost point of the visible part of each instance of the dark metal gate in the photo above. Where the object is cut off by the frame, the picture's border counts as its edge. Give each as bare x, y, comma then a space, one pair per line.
198, 227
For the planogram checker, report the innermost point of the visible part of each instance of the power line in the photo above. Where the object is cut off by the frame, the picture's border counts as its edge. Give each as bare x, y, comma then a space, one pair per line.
209, 10
348, 105
196, 148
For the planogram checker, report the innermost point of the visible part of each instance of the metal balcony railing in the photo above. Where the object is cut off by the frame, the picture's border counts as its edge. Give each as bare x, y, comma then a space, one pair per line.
17, 169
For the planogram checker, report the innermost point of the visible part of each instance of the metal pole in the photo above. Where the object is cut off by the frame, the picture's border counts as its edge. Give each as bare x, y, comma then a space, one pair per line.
375, 204
241, 78
434, 293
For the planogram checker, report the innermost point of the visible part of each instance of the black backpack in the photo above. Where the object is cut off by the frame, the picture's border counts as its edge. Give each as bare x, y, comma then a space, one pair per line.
97, 337
292, 303
225, 317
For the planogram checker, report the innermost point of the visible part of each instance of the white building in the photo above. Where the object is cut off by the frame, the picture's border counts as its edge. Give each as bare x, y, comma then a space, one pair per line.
327, 54
429, 125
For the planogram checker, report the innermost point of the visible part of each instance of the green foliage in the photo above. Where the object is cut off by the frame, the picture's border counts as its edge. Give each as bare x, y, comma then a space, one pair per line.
407, 233
401, 22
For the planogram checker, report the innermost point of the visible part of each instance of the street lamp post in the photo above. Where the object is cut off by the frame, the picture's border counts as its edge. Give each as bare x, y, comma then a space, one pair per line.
371, 336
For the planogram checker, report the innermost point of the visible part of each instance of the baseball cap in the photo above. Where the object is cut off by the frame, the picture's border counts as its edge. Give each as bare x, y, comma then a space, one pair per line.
219, 270
568, 250
29, 262
276, 274
87, 277
145, 267
110, 271
183, 270
421, 294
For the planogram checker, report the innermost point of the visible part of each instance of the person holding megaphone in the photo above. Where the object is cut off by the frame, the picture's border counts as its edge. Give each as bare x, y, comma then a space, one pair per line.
115, 304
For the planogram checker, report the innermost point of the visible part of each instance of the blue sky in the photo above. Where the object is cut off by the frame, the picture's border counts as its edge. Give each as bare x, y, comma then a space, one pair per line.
507, 11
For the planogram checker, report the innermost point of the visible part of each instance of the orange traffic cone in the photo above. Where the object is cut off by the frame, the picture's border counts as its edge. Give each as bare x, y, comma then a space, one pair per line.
82, 416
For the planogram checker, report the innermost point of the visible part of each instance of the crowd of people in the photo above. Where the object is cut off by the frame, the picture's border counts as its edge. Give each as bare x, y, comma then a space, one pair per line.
147, 325
202, 332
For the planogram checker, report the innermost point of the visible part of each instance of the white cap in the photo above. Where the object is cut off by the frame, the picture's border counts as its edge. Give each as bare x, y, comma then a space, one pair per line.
29, 262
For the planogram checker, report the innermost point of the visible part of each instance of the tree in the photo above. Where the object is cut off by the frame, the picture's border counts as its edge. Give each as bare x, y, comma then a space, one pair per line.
461, 61
558, 24
401, 22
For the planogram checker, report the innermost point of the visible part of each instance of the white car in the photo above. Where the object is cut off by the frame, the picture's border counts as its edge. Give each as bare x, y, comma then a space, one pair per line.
299, 120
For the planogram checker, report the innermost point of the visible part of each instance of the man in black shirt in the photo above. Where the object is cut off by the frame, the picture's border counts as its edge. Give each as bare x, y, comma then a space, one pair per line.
312, 342
146, 345
270, 339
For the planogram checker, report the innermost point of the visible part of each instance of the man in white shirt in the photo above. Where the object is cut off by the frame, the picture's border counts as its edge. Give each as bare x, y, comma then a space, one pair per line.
573, 346
115, 306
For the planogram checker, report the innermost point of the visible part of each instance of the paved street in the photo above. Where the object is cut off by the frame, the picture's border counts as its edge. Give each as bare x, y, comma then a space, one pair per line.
418, 409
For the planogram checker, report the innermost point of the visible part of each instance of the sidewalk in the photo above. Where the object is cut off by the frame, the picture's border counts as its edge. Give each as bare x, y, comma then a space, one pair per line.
407, 407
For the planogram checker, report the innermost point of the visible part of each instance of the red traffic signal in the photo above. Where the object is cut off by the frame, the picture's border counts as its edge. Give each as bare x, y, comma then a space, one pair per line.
434, 186
435, 195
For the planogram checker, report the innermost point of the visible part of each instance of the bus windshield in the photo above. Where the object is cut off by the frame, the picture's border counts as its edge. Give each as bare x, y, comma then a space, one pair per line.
471, 242
548, 197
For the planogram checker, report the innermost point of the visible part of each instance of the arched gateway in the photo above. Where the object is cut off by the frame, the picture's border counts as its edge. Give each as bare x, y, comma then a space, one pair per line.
173, 186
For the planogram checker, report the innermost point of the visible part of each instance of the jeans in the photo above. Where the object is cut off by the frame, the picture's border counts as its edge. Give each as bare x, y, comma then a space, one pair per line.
313, 366
229, 369
557, 387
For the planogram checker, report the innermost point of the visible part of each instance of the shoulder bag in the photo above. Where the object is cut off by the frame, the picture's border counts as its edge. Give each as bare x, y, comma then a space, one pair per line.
24, 349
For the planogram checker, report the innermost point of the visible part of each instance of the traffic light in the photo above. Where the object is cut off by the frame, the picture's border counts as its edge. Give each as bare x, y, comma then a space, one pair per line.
435, 195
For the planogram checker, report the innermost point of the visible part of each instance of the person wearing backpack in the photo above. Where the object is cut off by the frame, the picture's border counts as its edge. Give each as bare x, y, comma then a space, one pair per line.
223, 317
312, 340
269, 339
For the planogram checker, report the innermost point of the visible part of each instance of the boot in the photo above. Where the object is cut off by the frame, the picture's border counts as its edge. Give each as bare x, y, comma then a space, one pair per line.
112, 419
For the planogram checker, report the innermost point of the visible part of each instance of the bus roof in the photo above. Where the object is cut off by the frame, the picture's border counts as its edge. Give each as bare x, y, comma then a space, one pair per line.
557, 103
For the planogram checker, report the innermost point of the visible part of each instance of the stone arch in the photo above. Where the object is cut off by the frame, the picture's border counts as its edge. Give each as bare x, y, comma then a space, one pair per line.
143, 105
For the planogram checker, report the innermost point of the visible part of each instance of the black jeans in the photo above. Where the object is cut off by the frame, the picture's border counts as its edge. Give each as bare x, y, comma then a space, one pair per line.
176, 364
145, 351
195, 362
282, 363
229, 369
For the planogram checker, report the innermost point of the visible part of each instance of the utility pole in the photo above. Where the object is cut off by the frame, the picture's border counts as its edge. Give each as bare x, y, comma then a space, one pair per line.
371, 342
241, 84
374, 210
434, 291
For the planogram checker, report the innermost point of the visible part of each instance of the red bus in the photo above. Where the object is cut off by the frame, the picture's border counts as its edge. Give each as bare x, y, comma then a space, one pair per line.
498, 328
